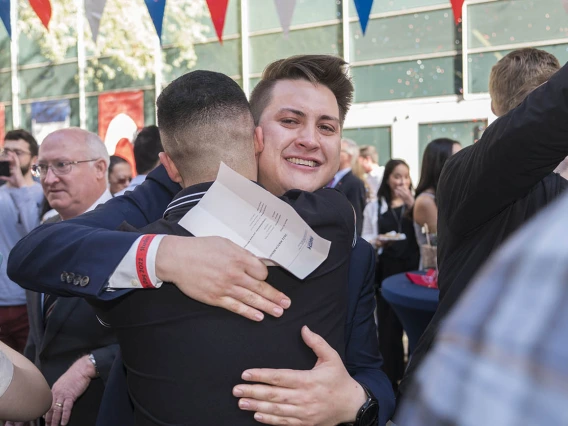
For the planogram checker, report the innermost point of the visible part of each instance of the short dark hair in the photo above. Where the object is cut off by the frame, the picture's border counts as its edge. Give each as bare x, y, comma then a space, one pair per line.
385, 190
14, 135
204, 118
147, 146
114, 160
327, 70
517, 74
435, 156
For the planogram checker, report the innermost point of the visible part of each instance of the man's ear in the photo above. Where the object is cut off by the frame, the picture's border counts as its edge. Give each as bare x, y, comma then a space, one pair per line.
171, 168
101, 168
258, 140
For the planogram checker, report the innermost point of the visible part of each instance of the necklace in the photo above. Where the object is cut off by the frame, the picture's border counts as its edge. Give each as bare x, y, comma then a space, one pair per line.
397, 218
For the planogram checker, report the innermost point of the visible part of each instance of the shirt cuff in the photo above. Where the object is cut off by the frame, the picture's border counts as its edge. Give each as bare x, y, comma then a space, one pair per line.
126, 276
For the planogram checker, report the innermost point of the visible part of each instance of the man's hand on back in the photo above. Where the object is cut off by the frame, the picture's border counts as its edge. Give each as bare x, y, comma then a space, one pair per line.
217, 272
325, 395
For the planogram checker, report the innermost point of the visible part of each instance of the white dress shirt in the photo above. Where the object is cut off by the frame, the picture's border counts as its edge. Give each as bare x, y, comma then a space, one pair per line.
374, 179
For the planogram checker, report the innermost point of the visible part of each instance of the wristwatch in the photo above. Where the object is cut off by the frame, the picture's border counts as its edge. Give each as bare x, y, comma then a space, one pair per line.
369, 411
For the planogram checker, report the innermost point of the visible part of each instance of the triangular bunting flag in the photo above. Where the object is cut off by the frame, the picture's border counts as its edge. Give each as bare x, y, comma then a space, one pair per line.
5, 15
156, 9
285, 9
363, 10
42, 8
218, 11
94, 11
457, 7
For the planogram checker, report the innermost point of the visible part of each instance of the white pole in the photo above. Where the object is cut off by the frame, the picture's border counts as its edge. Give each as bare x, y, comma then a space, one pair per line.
14, 53
245, 48
158, 69
346, 40
82, 63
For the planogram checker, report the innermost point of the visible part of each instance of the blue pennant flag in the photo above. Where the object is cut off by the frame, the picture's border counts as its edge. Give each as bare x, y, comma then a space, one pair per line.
5, 15
363, 10
156, 9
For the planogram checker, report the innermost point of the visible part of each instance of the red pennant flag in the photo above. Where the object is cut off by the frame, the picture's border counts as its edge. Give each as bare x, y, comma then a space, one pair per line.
42, 8
457, 7
218, 10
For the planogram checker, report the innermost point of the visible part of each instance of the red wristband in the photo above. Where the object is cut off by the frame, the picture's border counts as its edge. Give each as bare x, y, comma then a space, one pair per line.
141, 254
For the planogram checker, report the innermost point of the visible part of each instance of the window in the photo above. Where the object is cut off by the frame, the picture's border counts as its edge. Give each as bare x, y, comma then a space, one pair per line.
412, 79
51, 80
395, 5
379, 137
465, 132
263, 14
265, 49
405, 35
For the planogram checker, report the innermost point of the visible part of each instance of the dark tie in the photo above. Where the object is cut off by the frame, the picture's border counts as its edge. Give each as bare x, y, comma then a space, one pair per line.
49, 302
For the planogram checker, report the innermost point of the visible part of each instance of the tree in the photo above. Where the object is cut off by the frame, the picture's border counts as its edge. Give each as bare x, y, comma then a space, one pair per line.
127, 35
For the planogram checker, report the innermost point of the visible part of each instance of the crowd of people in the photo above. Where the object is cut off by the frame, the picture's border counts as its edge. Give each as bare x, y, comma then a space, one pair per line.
130, 320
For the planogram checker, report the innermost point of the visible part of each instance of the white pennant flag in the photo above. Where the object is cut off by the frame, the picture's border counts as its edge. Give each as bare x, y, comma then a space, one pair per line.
285, 9
94, 11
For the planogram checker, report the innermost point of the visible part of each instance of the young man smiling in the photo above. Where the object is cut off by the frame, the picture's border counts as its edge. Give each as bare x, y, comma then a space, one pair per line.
299, 107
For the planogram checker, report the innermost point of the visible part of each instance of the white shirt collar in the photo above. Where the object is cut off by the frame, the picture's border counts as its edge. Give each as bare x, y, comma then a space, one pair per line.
102, 199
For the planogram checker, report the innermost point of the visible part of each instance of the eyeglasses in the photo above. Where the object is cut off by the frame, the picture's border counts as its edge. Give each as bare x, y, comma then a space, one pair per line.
58, 168
18, 152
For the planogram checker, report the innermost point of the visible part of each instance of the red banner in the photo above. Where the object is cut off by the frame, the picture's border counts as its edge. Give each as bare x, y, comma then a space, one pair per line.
457, 7
2, 124
42, 8
120, 116
218, 10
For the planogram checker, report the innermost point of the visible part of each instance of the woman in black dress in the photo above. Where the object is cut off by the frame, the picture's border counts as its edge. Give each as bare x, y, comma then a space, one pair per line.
387, 215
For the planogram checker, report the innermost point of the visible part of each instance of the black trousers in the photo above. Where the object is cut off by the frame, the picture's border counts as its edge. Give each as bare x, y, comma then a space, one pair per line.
390, 328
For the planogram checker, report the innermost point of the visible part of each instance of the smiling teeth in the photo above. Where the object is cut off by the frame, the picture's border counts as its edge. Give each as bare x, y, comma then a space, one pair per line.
301, 162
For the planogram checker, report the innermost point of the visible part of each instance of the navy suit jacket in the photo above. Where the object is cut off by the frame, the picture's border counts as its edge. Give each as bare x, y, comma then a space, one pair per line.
89, 246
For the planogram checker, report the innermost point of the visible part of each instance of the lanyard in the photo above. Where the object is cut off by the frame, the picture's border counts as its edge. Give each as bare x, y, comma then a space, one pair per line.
398, 219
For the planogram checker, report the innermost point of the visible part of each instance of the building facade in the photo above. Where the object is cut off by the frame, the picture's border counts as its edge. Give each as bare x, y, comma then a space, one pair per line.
417, 75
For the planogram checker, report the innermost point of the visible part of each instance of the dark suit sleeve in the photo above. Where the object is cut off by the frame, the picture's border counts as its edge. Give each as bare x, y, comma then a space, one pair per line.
514, 154
104, 357
88, 245
362, 357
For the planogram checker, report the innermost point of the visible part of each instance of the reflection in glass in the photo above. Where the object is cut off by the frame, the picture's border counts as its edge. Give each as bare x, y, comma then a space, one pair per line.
265, 49
465, 132
392, 5
412, 79
480, 64
419, 33
5, 86
379, 137
263, 14
224, 58
516, 21
49, 81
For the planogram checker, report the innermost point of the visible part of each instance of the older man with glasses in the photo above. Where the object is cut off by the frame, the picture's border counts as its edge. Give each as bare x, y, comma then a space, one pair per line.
67, 343
20, 203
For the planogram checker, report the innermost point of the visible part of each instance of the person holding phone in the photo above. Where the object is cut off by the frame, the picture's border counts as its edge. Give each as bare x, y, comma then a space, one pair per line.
20, 203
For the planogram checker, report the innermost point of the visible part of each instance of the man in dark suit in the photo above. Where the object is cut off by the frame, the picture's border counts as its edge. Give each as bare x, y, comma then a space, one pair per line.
201, 278
346, 182
66, 342
488, 190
